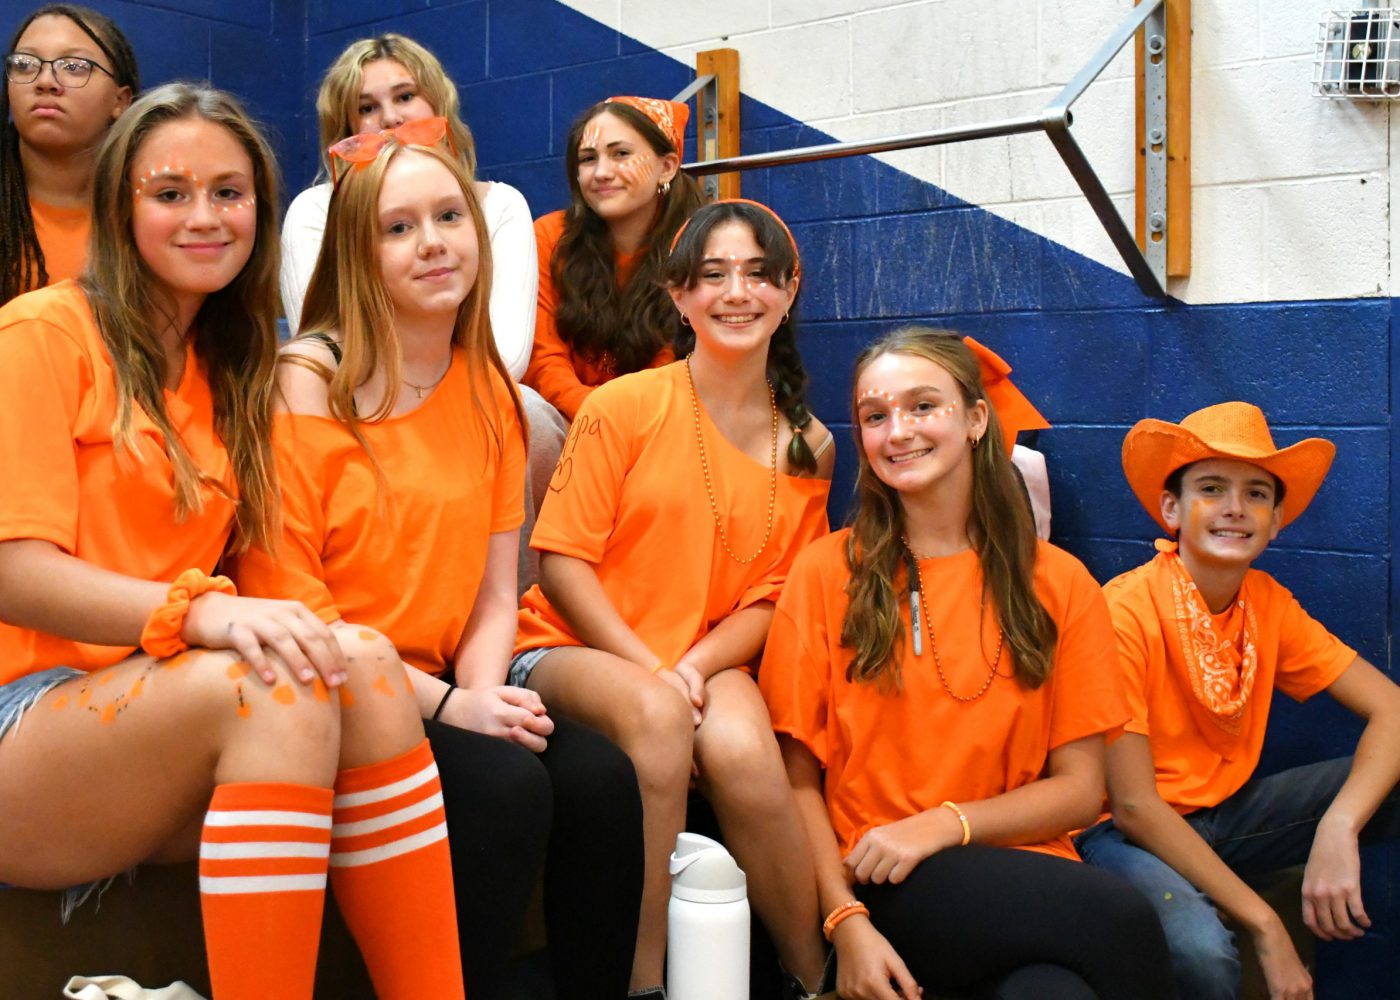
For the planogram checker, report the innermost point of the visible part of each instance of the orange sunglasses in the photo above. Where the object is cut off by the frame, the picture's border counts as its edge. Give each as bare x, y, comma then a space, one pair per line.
358, 150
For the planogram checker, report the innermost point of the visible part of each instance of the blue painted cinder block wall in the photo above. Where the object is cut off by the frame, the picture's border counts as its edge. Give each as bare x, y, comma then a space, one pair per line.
882, 248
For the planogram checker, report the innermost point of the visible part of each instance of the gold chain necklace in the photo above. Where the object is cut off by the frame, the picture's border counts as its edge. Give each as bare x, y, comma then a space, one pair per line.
933, 639
709, 485
421, 390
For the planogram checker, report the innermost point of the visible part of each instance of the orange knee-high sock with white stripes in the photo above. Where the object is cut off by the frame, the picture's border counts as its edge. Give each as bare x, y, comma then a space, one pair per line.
392, 876
262, 888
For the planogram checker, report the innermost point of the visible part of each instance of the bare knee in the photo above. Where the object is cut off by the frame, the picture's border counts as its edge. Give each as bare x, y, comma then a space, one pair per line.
379, 712
658, 733
283, 731
739, 760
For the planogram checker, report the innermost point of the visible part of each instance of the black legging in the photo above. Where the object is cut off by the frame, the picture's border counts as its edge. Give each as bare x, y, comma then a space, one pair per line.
1006, 923
575, 809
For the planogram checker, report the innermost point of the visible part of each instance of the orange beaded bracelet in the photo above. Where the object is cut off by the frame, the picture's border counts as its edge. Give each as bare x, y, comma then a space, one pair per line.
841, 913
962, 818
161, 636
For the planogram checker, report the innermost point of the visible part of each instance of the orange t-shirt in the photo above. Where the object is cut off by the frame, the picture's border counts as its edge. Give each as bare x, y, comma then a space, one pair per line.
67, 483
629, 497
407, 560
893, 754
63, 235
1196, 769
558, 374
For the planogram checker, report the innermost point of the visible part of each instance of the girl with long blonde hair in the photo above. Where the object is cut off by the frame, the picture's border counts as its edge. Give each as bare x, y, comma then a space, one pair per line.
401, 449
148, 712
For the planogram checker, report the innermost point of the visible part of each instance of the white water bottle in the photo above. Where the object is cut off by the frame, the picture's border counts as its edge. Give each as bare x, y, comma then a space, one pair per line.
707, 940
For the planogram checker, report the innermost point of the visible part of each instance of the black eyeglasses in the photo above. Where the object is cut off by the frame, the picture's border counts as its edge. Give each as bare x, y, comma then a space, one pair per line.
70, 71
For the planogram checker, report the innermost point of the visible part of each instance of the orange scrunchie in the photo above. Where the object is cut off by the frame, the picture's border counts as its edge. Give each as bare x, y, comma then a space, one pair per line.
1014, 410
161, 636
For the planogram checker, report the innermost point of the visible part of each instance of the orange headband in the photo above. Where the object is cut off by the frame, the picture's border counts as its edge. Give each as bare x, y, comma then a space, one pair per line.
796, 257
669, 116
1014, 410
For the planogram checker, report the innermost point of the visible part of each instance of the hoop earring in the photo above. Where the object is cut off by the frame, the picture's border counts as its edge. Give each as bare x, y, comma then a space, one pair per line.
664, 188
787, 316
975, 442
685, 320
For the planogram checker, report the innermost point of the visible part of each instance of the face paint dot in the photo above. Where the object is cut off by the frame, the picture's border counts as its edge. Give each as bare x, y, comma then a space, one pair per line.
244, 711
104, 678
176, 661
319, 690
381, 684
61, 702
108, 714
238, 671
84, 696
347, 700
283, 694
136, 689
366, 635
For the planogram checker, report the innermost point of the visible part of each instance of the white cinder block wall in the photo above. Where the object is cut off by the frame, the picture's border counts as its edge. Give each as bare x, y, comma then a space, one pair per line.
1291, 193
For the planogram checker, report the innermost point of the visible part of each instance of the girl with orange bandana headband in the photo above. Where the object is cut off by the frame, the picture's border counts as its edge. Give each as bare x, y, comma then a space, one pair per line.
943, 684
602, 309
677, 507
147, 712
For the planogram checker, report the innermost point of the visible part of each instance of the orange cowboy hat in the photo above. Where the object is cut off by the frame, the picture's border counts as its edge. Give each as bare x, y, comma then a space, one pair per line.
1154, 449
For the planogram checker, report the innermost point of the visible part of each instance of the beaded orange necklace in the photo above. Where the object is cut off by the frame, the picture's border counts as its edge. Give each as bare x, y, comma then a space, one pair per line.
918, 607
709, 484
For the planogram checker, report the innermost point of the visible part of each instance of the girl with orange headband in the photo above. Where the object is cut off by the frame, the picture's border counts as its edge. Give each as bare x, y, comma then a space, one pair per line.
651, 604
943, 684
602, 309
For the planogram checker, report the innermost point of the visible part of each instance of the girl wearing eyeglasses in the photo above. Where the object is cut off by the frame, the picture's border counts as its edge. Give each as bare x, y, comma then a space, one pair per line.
69, 73
401, 451
148, 712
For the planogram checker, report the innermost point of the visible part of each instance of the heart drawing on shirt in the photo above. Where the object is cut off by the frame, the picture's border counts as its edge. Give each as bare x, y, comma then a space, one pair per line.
564, 472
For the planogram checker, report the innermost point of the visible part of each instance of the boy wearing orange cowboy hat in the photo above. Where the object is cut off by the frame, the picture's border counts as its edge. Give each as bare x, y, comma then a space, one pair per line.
1204, 639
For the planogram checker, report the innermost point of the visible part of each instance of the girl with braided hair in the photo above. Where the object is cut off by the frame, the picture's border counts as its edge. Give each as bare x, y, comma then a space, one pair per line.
69, 73
653, 602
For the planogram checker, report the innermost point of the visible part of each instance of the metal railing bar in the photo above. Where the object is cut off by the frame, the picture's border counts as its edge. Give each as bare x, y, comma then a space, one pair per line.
1102, 204
1054, 121
1106, 54
698, 84
834, 150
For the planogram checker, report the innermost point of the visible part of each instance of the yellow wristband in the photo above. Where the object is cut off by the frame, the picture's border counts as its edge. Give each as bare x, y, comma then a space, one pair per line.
962, 818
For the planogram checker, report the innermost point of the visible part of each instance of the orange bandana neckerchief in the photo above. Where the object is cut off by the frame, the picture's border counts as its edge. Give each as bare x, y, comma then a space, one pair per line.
1221, 661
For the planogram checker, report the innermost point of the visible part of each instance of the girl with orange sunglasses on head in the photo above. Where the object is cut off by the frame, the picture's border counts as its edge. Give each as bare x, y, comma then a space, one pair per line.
148, 712
401, 448
69, 73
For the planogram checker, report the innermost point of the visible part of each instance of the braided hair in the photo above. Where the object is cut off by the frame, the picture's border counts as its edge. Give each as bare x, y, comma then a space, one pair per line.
21, 258
786, 372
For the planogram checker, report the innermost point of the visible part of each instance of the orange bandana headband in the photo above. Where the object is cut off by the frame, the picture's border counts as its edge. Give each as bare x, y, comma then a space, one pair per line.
1014, 410
796, 257
669, 116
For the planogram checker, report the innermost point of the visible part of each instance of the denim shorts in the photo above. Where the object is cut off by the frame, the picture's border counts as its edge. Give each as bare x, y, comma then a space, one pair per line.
523, 663
18, 696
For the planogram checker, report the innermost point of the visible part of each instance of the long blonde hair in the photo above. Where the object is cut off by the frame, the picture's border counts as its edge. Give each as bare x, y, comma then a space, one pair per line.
336, 101
999, 524
347, 295
234, 332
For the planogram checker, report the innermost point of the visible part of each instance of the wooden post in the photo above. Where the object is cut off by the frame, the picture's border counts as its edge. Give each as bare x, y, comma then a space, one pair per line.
1178, 56
724, 64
